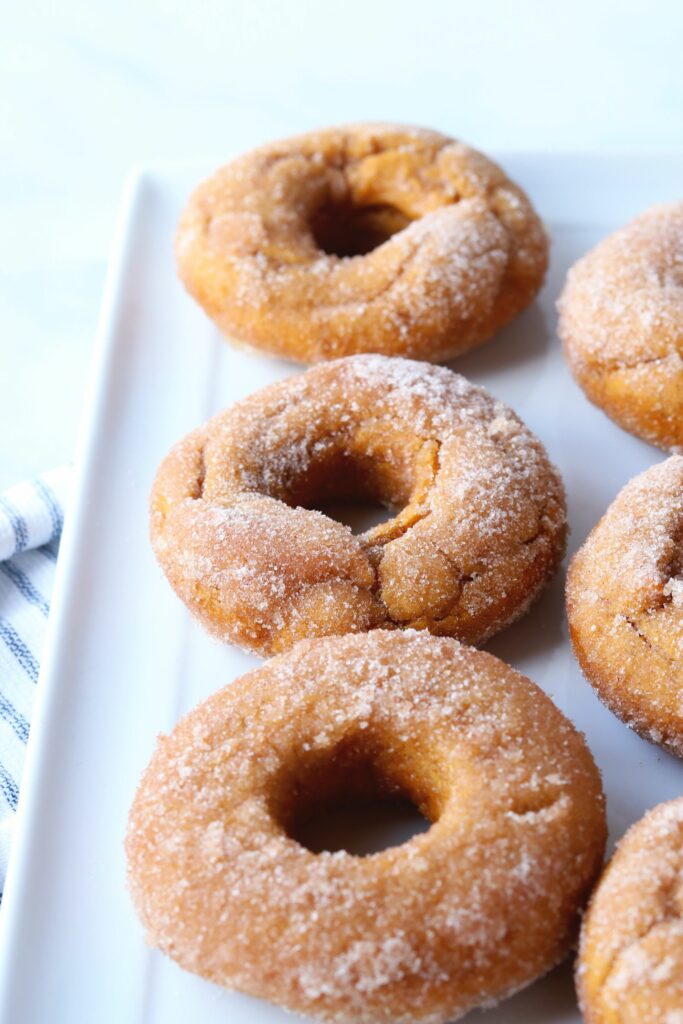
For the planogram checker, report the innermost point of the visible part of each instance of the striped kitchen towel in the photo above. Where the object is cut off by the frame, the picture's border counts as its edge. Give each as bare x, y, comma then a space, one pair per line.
31, 519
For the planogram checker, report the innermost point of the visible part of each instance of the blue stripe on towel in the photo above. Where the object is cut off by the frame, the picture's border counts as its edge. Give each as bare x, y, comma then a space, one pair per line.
46, 494
9, 788
14, 718
18, 523
19, 649
24, 586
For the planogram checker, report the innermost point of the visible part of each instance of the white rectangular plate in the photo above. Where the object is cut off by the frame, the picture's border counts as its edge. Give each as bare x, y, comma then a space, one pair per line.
124, 660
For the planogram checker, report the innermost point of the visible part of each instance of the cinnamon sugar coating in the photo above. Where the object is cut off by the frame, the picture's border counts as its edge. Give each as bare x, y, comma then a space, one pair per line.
625, 605
459, 916
481, 526
364, 238
621, 321
630, 968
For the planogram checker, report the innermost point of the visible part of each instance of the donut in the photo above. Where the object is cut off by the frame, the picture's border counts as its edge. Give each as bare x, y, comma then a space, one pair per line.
625, 605
365, 238
630, 968
621, 321
480, 513
464, 914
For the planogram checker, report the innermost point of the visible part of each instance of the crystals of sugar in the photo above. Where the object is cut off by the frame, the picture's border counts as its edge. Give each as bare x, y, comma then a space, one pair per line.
673, 588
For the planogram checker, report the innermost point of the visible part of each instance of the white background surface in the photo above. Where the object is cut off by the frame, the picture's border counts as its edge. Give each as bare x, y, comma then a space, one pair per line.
89, 89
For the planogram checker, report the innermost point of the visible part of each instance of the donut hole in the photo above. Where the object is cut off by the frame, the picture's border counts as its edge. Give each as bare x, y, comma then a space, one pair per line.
352, 490
362, 480
359, 514
349, 478
361, 827
345, 229
346, 800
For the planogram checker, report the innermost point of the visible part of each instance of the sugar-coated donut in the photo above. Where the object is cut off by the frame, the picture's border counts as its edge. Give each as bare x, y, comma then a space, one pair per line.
625, 605
459, 916
630, 968
621, 320
365, 238
480, 531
